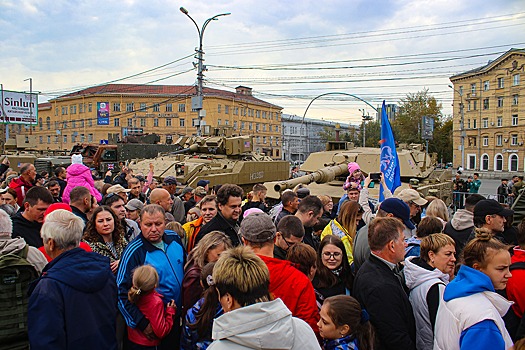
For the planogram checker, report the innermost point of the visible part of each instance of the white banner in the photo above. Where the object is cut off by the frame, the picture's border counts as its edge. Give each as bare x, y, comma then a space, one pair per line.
19, 107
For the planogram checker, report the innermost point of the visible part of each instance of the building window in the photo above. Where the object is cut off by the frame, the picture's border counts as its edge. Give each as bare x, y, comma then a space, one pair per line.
514, 119
486, 85
73, 109
219, 108
500, 101
64, 110
116, 122
498, 162
48, 139
264, 127
235, 110
257, 127
130, 121
156, 122
515, 99
227, 109
258, 139
264, 139
56, 138
499, 140
90, 137
116, 107
226, 122
40, 124
514, 139
142, 122
485, 141
73, 124
129, 107
499, 121
277, 128
143, 107
168, 121
90, 123
48, 123
513, 162
471, 161
242, 125
73, 138
257, 114
468, 106
234, 125
501, 83
182, 107
474, 126
64, 125
250, 126
56, 111
218, 122
82, 138
485, 122
485, 162
515, 80
82, 123
486, 103
264, 114
41, 139
65, 138
473, 88
169, 107
195, 122
80, 108
182, 122
156, 107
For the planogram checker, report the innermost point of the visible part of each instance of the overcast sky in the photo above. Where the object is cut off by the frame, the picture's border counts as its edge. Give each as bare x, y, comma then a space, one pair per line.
288, 51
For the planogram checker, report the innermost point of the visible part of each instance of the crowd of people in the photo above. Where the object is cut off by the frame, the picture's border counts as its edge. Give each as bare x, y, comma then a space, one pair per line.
126, 262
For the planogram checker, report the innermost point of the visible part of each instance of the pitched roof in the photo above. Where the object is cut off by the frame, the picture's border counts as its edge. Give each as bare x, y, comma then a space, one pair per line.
488, 66
163, 90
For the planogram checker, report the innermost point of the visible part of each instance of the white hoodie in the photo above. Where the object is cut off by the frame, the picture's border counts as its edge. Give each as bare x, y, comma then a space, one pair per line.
267, 325
419, 280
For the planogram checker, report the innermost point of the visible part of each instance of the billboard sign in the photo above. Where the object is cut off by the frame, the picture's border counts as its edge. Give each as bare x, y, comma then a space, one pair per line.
102, 113
19, 107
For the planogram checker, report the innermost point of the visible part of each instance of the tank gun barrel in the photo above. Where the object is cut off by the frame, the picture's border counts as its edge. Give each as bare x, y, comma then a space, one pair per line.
322, 175
192, 148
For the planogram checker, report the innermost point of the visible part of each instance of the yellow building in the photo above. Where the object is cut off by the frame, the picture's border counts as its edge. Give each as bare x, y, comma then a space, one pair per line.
493, 115
110, 112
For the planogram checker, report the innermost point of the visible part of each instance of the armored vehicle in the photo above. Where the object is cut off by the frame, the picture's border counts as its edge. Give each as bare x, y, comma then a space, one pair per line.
218, 159
327, 171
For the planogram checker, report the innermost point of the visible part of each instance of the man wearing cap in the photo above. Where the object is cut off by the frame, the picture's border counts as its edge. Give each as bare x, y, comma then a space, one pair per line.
24, 182
205, 184
391, 207
120, 191
491, 215
135, 190
80, 202
27, 224
190, 202
229, 199
133, 208
286, 282
379, 286
177, 208
414, 201
198, 194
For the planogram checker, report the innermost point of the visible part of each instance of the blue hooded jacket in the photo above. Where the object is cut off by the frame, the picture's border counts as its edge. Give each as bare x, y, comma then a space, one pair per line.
73, 304
484, 334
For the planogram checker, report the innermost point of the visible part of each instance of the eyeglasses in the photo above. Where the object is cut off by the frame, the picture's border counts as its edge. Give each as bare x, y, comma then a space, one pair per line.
329, 255
415, 205
288, 244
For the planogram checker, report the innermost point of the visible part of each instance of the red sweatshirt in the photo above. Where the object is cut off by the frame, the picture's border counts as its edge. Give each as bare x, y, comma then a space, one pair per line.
294, 289
516, 284
160, 318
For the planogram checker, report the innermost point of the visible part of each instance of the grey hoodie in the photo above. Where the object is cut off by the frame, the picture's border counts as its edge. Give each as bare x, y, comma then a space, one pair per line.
14, 245
267, 325
462, 220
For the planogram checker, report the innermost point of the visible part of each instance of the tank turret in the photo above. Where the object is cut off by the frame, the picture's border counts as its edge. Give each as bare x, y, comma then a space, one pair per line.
322, 175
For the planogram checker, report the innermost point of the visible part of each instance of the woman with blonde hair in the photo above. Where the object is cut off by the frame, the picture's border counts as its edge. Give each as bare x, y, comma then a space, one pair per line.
208, 250
426, 276
345, 226
471, 313
328, 205
439, 209
251, 320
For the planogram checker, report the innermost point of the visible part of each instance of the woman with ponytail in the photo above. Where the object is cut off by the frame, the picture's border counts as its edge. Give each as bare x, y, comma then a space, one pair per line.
149, 302
470, 315
344, 325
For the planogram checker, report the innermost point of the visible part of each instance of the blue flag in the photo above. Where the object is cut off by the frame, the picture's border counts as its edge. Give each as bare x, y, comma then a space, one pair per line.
389, 159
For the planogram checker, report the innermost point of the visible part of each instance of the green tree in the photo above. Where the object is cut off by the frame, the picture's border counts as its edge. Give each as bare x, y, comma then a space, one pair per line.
328, 134
372, 136
441, 142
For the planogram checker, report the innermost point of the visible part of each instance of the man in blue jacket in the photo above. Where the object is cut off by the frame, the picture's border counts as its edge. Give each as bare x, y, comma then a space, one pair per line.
162, 250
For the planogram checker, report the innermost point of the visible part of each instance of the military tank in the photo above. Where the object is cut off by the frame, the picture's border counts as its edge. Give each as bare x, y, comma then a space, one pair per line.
327, 171
218, 159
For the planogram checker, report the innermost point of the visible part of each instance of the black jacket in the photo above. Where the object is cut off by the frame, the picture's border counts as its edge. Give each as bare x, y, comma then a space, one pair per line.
219, 223
382, 293
28, 230
460, 237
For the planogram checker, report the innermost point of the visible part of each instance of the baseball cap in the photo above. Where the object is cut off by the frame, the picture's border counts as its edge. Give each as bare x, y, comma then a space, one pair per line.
257, 228
200, 191
203, 183
303, 192
134, 204
185, 190
170, 180
411, 195
117, 189
491, 207
399, 209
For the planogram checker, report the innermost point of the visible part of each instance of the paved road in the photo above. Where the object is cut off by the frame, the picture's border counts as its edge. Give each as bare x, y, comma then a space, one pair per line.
489, 187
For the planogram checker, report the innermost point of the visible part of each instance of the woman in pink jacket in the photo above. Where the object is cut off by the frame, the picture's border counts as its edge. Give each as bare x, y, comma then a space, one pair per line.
79, 175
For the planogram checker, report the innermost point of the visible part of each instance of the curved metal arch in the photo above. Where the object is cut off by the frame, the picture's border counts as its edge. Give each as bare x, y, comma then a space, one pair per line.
335, 93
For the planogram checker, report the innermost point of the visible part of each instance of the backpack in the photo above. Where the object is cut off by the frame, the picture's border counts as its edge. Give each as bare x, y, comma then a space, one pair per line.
16, 273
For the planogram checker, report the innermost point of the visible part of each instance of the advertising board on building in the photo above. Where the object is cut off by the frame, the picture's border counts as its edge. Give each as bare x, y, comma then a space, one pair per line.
102, 113
18, 107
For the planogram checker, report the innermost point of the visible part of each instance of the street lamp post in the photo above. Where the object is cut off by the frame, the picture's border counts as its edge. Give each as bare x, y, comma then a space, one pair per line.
197, 102
461, 126
366, 118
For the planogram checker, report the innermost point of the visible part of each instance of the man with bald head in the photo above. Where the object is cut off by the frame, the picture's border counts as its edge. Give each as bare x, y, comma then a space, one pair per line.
162, 197
24, 182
